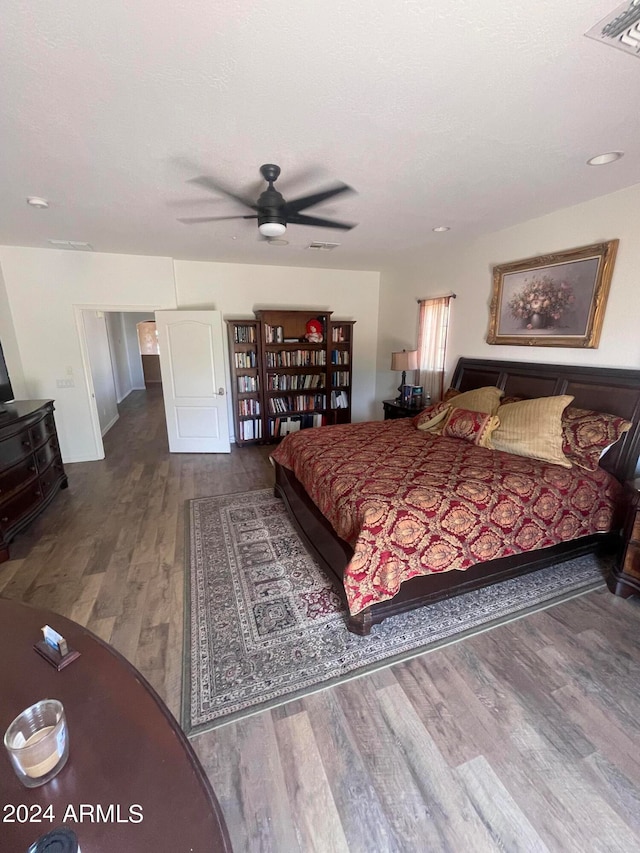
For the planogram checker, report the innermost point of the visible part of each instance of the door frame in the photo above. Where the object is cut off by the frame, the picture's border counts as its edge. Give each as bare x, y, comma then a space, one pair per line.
86, 363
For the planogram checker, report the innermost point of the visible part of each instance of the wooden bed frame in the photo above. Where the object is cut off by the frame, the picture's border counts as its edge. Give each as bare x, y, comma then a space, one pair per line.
612, 390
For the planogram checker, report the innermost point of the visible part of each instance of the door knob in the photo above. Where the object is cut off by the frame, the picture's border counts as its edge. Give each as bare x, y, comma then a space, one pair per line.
221, 392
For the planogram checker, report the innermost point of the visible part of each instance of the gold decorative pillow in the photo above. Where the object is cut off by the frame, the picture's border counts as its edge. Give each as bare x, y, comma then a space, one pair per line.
533, 428
431, 417
474, 427
485, 399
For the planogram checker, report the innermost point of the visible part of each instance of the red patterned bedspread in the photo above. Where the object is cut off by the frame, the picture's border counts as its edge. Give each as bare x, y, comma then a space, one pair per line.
410, 503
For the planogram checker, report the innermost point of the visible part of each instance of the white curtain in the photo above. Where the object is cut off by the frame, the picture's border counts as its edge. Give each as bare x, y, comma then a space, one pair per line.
432, 346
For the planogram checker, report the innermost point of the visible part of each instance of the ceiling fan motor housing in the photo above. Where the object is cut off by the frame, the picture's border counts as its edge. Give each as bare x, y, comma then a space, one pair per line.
270, 206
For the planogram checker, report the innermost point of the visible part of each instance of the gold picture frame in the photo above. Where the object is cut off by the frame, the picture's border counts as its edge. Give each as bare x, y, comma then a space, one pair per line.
555, 300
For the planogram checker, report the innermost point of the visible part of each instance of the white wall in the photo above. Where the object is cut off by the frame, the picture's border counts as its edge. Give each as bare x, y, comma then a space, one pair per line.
236, 290
43, 288
119, 355
466, 269
102, 374
10, 344
133, 347
46, 288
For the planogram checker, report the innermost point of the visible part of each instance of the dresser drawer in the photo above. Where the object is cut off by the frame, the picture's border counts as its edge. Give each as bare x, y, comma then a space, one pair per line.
14, 448
51, 477
16, 476
42, 430
23, 502
46, 454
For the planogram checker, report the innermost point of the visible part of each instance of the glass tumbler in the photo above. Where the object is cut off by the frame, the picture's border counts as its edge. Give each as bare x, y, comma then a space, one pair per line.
37, 742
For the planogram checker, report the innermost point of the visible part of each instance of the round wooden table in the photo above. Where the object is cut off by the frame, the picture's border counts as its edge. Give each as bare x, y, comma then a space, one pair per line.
126, 750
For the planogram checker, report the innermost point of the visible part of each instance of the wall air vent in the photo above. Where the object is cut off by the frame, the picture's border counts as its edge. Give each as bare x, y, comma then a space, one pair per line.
73, 245
621, 28
322, 247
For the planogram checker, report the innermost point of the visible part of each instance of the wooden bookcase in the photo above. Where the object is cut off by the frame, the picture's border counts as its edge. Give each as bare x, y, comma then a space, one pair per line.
340, 354
280, 381
245, 361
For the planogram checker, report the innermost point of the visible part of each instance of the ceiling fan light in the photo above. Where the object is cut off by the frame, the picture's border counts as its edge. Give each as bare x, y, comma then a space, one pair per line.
272, 229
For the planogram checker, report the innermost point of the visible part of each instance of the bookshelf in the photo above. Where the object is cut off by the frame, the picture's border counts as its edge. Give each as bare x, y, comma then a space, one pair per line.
340, 352
244, 350
281, 382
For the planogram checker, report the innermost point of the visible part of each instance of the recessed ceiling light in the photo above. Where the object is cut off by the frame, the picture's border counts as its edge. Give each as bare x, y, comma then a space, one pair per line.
35, 201
440, 228
604, 159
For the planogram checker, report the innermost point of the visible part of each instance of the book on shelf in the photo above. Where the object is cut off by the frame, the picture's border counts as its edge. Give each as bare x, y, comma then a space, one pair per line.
273, 334
244, 334
297, 403
339, 400
296, 358
287, 382
281, 426
250, 430
248, 406
245, 359
247, 384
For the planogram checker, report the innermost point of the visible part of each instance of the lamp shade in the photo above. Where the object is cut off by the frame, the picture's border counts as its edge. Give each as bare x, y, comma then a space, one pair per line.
405, 360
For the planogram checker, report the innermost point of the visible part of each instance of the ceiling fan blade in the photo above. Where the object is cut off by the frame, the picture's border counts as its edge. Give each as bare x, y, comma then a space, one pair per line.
209, 184
191, 220
301, 219
309, 200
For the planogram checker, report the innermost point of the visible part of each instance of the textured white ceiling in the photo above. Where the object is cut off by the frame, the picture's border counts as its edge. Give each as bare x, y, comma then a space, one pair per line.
476, 115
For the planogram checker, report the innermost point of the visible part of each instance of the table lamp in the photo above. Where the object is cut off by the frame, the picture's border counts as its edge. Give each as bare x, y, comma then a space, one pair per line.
405, 360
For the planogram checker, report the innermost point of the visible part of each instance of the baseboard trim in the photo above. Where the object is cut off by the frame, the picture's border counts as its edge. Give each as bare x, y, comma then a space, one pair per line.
109, 425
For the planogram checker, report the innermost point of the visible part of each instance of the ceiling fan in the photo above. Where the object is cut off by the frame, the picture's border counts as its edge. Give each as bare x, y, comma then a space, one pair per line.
271, 210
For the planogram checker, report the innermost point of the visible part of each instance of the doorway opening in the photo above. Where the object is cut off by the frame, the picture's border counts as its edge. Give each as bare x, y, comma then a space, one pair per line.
191, 358
111, 345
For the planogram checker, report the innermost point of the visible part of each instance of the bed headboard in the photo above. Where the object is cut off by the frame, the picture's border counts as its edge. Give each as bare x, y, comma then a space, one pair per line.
603, 389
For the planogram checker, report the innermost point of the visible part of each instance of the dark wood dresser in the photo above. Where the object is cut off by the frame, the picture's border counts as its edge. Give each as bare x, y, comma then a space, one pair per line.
625, 578
31, 470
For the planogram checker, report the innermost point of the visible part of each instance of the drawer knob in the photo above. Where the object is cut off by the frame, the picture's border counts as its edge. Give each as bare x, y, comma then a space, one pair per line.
5, 519
26, 442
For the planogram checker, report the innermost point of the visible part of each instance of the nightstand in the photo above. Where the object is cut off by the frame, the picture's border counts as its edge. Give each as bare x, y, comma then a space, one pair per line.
625, 578
393, 410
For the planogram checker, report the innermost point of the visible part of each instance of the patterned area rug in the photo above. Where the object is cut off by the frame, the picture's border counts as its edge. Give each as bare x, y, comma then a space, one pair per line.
263, 624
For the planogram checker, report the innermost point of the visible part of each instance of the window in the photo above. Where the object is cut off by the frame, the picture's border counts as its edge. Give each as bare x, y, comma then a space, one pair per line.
433, 325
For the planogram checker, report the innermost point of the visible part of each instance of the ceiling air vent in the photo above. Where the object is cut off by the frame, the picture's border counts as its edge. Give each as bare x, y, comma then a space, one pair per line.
621, 28
73, 245
322, 247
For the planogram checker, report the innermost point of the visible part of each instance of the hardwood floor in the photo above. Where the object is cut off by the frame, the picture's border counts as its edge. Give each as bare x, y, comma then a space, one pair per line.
525, 738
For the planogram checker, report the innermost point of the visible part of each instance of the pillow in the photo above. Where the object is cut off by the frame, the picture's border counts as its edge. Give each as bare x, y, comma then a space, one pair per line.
587, 435
431, 417
485, 399
474, 427
533, 428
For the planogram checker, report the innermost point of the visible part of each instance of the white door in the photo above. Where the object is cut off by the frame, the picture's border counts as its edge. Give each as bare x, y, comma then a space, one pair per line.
193, 380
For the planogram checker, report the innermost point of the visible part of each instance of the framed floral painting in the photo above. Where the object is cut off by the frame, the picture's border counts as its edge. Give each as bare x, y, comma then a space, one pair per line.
554, 300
